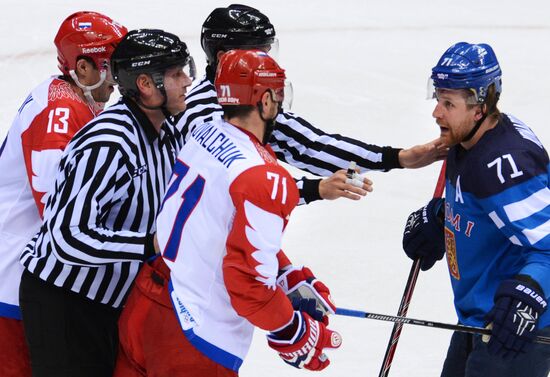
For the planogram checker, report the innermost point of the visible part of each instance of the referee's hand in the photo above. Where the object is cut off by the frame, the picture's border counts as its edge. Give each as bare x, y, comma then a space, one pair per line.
339, 185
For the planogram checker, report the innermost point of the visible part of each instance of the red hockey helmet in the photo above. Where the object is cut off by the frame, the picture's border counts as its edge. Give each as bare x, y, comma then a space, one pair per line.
243, 76
89, 34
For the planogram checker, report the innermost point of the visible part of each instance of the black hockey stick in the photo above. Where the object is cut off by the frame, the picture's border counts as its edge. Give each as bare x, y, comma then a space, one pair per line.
421, 322
407, 295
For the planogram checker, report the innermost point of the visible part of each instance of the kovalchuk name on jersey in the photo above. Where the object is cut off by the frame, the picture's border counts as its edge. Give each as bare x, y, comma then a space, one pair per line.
220, 229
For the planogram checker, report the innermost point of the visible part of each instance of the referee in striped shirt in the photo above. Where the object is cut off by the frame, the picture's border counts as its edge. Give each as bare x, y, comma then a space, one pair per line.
99, 220
294, 140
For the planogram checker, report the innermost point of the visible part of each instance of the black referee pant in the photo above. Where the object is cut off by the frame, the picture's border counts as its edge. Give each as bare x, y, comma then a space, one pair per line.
68, 335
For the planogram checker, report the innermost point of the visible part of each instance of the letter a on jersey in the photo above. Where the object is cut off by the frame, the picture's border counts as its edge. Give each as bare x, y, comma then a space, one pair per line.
458, 193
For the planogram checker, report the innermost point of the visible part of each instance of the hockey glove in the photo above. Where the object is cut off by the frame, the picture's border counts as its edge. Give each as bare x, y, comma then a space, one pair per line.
514, 317
423, 236
301, 343
300, 283
309, 306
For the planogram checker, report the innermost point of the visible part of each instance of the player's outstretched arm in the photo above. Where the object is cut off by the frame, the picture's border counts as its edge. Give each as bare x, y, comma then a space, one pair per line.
423, 155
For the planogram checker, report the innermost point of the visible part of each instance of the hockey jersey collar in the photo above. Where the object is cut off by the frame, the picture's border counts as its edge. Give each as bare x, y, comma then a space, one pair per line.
142, 119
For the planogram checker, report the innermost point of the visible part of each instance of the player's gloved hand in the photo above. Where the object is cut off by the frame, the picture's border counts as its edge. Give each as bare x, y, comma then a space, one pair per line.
309, 306
514, 317
423, 236
299, 283
302, 341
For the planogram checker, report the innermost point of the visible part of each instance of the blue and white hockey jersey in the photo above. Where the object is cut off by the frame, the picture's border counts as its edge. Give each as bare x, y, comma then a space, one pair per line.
497, 217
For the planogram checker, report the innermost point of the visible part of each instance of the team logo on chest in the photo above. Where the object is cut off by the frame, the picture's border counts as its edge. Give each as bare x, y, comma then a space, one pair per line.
450, 248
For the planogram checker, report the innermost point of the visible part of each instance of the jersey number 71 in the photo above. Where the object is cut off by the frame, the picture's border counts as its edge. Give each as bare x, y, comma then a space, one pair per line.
191, 197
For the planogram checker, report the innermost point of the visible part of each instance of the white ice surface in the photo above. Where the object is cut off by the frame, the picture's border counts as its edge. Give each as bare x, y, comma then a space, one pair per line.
359, 68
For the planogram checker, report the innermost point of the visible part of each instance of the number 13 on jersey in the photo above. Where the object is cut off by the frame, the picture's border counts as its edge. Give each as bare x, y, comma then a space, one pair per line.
190, 197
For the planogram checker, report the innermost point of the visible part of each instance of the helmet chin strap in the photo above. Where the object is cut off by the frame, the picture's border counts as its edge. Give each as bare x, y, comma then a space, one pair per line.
87, 89
162, 107
476, 128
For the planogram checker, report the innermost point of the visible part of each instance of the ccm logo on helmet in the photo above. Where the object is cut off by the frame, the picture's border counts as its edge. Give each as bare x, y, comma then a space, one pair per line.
94, 50
219, 35
141, 64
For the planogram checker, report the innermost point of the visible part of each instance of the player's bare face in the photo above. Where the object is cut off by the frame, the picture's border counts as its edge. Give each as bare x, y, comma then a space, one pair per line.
454, 117
176, 83
103, 93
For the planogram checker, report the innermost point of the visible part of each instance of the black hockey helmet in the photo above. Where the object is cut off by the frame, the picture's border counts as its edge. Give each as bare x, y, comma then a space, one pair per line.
149, 51
237, 26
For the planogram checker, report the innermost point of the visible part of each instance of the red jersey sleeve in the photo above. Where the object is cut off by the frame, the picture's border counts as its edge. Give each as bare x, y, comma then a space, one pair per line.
264, 196
48, 134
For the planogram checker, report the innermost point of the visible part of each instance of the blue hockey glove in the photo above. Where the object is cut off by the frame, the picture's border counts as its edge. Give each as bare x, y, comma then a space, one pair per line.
423, 236
514, 317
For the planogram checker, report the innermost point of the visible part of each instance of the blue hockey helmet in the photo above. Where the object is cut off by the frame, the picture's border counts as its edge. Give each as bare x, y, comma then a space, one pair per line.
468, 66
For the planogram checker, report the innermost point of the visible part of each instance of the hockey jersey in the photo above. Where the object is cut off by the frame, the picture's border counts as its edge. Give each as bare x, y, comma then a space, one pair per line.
44, 124
219, 229
497, 217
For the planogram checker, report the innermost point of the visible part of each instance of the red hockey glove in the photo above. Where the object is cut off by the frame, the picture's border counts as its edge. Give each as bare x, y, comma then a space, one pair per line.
300, 283
301, 343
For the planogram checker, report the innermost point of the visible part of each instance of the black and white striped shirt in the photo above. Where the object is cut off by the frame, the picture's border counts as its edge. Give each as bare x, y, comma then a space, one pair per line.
294, 140
99, 220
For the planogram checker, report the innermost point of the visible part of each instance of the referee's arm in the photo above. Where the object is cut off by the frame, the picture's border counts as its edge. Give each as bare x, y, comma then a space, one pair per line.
97, 182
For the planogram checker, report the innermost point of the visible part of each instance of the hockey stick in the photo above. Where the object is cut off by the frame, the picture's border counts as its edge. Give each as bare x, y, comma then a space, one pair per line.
409, 288
421, 322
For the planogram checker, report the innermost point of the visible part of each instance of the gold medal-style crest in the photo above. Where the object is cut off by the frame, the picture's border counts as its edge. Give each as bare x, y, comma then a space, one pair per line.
450, 248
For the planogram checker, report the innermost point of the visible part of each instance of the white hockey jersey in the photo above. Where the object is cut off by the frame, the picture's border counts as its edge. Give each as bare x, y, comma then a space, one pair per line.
44, 124
219, 229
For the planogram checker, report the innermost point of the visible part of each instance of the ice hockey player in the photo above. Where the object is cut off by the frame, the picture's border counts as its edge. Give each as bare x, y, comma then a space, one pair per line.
48, 118
99, 220
294, 140
494, 223
193, 311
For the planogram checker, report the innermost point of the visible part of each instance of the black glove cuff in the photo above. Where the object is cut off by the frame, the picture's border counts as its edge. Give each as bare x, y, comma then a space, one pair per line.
524, 292
530, 281
439, 208
310, 190
149, 246
390, 157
